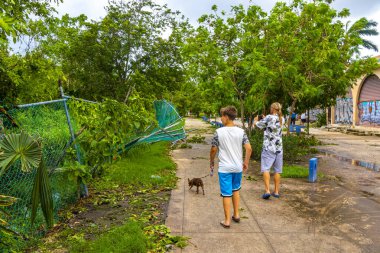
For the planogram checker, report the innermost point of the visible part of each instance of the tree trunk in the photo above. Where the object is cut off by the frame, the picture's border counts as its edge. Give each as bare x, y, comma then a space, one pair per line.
250, 119
242, 112
308, 121
292, 108
128, 93
327, 115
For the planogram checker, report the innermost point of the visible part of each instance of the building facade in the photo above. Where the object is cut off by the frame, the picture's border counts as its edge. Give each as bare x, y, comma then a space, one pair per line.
361, 105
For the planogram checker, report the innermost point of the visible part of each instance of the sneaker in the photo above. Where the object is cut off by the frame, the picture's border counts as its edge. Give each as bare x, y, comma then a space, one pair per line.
266, 196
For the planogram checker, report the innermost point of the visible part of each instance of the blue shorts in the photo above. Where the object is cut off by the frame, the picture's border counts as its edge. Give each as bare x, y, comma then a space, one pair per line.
229, 182
269, 159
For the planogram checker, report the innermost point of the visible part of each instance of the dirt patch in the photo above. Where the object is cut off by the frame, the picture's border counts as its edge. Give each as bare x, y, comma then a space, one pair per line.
100, 212
344, 203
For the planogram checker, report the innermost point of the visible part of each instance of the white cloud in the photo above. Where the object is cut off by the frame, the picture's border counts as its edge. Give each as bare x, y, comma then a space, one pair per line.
92, 9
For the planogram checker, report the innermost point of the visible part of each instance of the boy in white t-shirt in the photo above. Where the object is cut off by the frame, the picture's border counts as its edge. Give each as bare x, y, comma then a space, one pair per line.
229, 141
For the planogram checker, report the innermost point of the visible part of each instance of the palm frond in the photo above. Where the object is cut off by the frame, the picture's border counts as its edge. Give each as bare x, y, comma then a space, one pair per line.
370, 24
363, 27
42, 195
368, 32
19, 147
370, 45
6, 200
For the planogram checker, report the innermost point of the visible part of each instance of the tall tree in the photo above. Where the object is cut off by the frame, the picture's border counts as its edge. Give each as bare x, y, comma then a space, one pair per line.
123, 53
218, 50
309, 56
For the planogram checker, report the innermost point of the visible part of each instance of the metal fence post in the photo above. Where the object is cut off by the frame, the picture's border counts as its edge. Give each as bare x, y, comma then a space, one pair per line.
72, 134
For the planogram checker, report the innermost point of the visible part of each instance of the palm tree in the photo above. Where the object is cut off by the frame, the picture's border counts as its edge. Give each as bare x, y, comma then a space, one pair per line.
364, 27
22, 147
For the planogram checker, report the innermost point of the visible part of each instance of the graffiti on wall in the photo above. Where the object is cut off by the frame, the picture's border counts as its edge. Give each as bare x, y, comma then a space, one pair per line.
369, 113
314, 112
343, 111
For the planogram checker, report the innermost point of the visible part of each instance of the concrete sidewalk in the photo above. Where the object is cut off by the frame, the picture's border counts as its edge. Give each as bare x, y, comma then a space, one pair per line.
266, 226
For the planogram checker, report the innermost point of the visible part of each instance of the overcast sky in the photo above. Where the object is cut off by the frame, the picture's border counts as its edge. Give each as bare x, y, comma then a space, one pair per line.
94, 9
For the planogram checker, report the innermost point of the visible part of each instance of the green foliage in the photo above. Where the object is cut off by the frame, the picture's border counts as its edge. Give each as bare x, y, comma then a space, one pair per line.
321, 119
294, 147
256, 138
159, 238
14, 16
120, 55
76, 171
299, 54
5, 232
21, 147
24, 149
124, 239
364, 27
47, 122
183, 145
197, 138
42, 194
109, 126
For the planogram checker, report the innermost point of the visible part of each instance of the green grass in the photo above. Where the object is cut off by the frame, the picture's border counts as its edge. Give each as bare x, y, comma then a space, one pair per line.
150, 166
128, 238
144, 179
296, 171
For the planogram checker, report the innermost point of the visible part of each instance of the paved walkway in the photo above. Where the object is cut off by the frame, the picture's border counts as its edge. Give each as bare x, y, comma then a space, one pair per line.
266, 226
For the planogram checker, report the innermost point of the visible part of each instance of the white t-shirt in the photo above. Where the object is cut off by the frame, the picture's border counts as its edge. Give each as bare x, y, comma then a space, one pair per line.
230, 141
303, 116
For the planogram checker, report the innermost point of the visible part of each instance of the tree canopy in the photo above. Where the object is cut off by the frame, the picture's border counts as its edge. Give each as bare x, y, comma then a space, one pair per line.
300, 54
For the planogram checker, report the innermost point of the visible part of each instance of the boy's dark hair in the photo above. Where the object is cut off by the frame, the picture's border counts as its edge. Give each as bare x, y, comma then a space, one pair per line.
229, 111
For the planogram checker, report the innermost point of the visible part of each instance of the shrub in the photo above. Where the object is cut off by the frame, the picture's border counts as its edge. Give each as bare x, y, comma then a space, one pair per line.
295, 147
321, 119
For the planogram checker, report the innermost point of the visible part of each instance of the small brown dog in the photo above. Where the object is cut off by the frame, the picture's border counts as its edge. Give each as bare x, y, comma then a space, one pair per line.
197, 182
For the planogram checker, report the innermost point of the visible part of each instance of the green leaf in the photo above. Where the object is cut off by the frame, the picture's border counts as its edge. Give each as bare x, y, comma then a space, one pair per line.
19, 147
42, 195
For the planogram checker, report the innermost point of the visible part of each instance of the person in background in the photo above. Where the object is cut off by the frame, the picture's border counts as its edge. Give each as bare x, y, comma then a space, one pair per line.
303, 118
293, 118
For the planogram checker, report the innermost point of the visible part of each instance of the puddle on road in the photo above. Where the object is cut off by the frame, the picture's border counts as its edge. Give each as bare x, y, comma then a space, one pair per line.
368, 165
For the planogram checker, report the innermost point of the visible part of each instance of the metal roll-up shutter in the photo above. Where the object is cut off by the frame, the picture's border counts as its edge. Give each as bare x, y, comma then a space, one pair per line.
369, 102
370, 90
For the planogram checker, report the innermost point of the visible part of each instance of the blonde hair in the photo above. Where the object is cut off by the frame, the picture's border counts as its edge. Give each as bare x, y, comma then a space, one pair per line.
277, 106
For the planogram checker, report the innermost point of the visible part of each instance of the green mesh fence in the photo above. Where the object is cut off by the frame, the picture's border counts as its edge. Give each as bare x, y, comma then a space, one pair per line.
48, 123
170, 124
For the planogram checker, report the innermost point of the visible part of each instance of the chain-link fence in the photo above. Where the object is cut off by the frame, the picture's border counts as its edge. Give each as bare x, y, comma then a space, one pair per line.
48, 123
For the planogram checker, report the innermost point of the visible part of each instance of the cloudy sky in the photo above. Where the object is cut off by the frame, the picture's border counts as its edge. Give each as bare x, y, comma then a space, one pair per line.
195, 8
